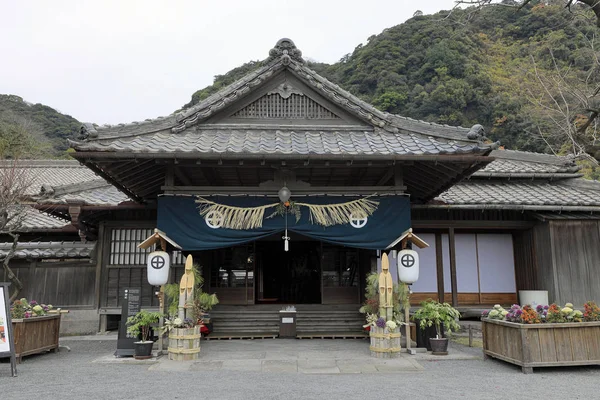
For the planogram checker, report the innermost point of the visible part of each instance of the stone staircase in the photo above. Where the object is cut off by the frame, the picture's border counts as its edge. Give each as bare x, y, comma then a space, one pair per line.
313, 320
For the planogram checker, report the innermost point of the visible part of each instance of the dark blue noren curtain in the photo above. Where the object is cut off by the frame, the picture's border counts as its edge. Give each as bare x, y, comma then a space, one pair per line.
179, 218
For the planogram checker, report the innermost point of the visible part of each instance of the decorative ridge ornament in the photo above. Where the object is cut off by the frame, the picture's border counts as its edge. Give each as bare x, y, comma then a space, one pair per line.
285, 90
243, 218
286, 49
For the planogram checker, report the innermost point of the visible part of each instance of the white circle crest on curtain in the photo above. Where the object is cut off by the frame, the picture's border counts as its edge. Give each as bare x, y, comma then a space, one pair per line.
214, 219
358, 221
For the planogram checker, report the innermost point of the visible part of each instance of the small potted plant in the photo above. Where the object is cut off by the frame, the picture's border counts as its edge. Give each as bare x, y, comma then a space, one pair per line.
139, 326
434, 313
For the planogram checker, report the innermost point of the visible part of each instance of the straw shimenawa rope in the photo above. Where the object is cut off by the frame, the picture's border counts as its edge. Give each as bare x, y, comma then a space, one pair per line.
337, 214
321, 214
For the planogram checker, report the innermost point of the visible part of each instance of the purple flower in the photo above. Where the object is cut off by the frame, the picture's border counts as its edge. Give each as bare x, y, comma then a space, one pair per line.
27, 314
33, 303
518, 312
380, 322
485, 313
546, 307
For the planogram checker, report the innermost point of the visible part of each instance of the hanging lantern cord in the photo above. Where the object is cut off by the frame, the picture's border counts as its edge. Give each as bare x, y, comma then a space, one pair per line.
286, 238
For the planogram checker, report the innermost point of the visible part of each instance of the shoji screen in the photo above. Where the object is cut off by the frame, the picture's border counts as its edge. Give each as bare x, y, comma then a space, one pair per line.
427, 282
496, 263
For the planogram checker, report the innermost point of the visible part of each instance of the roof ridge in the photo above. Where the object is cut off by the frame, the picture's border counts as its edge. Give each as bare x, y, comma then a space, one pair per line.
48, 191
542, 158
41, 163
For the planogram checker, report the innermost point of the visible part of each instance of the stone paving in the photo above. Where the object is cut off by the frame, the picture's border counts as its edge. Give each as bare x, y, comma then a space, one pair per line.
294, 369
317, 356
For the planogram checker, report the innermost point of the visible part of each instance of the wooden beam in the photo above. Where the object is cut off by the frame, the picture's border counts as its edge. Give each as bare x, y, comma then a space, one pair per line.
452, 248
439, 262
170, 176
398, 175
466, 224
348, 190
181, 176
386, 177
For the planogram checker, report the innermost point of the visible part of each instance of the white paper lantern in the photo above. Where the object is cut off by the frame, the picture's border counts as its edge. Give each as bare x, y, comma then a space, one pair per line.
408, 266
158, 267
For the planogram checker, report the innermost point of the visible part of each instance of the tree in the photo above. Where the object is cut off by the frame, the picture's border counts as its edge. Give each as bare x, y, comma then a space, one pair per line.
568, 97
14, 182
19, 138
582, 6
559, 97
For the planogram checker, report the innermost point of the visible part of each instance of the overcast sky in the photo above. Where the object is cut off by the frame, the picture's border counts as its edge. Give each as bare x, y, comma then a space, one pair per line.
123, 61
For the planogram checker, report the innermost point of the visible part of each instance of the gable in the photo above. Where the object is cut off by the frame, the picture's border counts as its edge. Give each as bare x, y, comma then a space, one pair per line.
284, 100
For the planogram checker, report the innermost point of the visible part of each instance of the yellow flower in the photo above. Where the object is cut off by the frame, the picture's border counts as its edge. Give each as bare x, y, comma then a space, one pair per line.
567, 310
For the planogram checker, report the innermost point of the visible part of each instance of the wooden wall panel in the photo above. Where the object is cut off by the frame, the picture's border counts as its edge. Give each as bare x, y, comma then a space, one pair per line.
62, 284
469, 299
525, 261
544, 260
576, 254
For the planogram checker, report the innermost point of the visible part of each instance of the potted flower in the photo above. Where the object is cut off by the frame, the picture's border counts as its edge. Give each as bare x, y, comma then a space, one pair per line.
434, 313
139, 326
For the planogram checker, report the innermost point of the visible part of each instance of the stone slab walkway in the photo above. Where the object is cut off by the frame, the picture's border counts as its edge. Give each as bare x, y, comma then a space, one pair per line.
320, 356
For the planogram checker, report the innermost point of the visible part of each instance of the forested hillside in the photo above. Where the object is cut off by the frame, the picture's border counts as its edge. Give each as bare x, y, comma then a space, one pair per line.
484, 67
37, 130
528, 76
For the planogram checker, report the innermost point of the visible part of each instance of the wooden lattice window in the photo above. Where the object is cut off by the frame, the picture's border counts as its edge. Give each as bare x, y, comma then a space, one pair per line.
274, 106
124, 250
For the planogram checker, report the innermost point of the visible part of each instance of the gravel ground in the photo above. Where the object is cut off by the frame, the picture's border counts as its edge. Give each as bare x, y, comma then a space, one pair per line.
72, 375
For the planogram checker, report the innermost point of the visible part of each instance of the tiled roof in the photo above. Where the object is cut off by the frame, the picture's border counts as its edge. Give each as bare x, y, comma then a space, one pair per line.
277, 142
35, 220
96, 193
522, 193
49, 249
514, 163
171, 134
52, 172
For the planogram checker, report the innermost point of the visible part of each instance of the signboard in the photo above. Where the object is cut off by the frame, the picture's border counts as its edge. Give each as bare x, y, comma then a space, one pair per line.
131, 305
7, 348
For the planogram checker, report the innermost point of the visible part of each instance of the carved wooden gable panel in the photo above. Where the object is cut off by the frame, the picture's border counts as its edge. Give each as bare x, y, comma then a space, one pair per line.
285, 102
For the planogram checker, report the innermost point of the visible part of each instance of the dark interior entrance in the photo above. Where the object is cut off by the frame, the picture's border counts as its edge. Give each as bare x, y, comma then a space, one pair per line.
288, 277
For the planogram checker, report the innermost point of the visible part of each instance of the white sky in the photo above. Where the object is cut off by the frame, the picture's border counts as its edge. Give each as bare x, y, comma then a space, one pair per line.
122, 61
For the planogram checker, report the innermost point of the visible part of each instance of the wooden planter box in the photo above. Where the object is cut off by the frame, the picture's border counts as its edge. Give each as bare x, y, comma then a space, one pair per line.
542, 345
35, 335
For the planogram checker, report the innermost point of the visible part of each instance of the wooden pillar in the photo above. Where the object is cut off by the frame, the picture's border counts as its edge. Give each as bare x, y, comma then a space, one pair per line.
452, 248
439, 258
101, 246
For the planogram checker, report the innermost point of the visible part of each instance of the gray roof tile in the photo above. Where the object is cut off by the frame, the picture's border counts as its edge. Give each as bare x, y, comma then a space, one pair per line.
35, 220
279, 141
49, 249
51, 172
518, 193
96, 193
512, 162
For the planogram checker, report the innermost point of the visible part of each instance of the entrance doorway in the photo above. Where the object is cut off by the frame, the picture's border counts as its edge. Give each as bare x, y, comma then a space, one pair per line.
292, 276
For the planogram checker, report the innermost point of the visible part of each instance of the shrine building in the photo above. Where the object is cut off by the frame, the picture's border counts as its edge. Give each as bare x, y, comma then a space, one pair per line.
210, 178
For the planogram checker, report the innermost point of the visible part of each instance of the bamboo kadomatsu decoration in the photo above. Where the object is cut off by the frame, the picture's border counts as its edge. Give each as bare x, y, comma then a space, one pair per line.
320, 214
